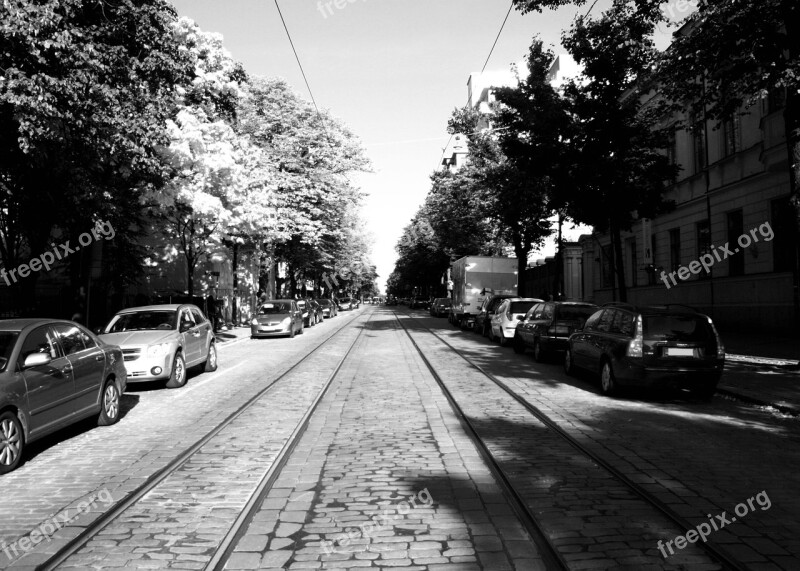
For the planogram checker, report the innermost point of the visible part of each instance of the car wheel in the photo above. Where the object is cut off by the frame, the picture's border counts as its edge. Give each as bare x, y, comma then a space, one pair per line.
519, 345
608, 383
211, 360
109, 405
12, 442
538, 354
302, 328
178, 376
569, 366
504, 342
486, 330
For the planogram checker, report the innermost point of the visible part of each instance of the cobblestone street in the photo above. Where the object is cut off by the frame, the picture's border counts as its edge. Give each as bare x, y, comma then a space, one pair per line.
387, 474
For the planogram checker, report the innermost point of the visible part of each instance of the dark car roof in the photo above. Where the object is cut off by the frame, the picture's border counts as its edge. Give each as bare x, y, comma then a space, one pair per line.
28, 323
669, 309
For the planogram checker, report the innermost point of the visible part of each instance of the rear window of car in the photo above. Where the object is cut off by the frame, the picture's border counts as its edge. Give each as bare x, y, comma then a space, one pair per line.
686, 328
520, 306
574, 312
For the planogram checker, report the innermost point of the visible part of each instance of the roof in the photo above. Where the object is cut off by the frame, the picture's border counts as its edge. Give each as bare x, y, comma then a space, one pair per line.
20, 324
164, 307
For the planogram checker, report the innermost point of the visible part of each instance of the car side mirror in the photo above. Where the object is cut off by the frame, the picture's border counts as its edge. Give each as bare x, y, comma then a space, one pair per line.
520, 318
185, 326
36, 360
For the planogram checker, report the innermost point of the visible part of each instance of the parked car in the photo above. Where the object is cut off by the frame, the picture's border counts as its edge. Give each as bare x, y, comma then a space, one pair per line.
345, 304
391, 301
53, 373
547, 326
316, 308
161, 342
503, 325
356, 303
440, 306
309, 316
649, 347
277, 318
328, 308
487, 309
419, 303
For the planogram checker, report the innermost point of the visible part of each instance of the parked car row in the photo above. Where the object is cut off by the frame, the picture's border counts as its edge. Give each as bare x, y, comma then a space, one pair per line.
290, 317
54, 373
623, 344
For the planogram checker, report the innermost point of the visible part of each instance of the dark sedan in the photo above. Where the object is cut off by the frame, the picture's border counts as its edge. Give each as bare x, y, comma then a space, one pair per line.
547, 326
53, 373
665, 346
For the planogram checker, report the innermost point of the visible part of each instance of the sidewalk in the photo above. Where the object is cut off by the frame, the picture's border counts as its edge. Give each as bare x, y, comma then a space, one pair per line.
232, 335
762, 369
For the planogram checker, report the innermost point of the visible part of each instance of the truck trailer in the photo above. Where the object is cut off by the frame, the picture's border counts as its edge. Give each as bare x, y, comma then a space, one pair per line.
475, 277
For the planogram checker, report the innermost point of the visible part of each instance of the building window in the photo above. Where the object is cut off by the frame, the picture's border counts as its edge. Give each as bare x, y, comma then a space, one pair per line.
675, 249
605, 266
672, 147
735, 229
775, 100
785, 229
732, 133
703, 243
634, 267
652, 275
698, 145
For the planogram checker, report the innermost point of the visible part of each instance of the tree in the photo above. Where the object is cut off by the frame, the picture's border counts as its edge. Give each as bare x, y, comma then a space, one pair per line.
421, 261
314, 156
620, 170
85, 93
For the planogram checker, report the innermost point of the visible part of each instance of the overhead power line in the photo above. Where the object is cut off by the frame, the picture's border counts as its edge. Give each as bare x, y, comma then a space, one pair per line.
491, 51
302, 71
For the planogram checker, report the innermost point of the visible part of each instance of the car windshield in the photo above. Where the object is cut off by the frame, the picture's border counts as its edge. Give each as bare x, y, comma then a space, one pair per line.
273, 308
144, 320
324, 302
7, 340
575, 313
447, 301
345, 300
686, 328
521, 306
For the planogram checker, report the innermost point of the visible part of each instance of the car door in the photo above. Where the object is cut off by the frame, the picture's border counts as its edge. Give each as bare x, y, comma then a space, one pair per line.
191, 337
542, 321
600, 340
525, 328
88, 364
50, 388
497, 319
581, 340
204, 327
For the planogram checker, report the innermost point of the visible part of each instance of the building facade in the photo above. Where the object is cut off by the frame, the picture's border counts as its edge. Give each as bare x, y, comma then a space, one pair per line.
728, 248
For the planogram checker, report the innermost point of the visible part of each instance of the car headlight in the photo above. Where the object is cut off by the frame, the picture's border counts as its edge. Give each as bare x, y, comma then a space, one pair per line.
286, 321
158, 350
254, 322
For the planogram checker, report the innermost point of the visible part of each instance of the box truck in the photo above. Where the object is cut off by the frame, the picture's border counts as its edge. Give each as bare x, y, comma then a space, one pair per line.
475, 277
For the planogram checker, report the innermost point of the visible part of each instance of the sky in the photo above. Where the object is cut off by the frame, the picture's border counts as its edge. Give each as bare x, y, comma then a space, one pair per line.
392, 70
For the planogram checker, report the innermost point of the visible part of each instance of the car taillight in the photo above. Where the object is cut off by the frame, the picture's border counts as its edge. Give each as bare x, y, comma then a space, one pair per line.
635, 346
720, 345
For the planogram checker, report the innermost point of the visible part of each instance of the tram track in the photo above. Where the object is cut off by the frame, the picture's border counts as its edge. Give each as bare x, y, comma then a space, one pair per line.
222, 551
716, 552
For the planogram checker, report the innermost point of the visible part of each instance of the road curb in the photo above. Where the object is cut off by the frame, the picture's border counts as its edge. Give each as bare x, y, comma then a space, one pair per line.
785, 409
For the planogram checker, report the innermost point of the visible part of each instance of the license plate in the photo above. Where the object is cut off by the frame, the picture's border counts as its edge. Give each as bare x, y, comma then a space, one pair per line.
678, 352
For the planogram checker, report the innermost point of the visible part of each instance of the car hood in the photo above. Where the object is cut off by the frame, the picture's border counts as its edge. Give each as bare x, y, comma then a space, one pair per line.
128, 338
